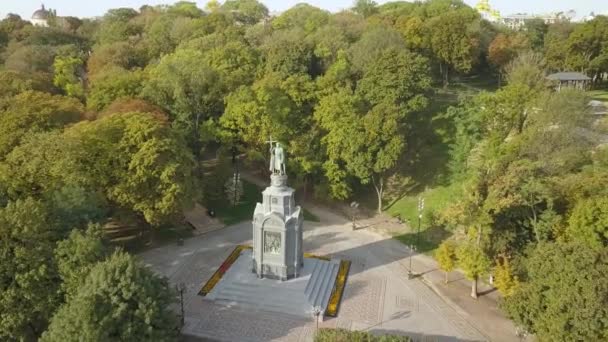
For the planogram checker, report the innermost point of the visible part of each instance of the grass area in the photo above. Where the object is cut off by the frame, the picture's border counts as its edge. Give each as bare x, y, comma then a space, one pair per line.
430, 235
243, 211
429, 169
599, 94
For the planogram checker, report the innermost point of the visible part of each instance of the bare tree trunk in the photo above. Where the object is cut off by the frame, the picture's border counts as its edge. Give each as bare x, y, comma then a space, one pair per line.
379, 191
474, 288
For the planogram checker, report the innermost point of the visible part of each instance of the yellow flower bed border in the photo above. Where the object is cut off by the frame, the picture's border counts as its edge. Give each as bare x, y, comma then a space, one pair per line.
219, 273
320, 257
336, 294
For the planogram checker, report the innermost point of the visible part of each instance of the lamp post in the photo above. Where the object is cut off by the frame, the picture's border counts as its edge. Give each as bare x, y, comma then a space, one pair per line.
354, 206
420, 209
181, 288
317, 312
410, 274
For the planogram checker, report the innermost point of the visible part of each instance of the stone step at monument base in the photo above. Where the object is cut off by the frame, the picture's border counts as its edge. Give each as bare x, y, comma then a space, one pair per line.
299, 296
321, 283
267, 298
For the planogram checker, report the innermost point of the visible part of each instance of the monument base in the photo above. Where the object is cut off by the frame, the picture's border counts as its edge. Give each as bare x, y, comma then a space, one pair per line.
314, 290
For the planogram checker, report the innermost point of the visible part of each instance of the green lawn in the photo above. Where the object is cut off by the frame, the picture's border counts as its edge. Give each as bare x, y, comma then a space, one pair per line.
430, 170
431, 234
599, 94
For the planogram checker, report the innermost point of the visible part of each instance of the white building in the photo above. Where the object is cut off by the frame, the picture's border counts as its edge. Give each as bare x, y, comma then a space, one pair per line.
41, 17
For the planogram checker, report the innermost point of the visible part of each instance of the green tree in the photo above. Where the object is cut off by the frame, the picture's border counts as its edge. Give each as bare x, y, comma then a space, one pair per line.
397, 77
474, 263
76, 255
446, 257
149, 169
68, 71
365, 8
116, 26
555, 49
190, 91
588, 222
505, 279
32, 112
112, 84
362, 144
565, 293
28, 274
454, 40
248, 12
536, 30
588, 47
118, 300
302, 16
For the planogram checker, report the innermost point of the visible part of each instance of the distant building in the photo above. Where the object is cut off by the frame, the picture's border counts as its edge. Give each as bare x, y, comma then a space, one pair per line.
570, 79
41, 17
518, 21
487, 12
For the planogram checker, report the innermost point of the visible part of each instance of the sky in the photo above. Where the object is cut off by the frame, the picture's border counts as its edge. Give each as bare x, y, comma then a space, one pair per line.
92, 8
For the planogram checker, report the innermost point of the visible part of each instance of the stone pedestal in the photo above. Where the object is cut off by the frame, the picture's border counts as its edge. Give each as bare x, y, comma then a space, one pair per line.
277, 232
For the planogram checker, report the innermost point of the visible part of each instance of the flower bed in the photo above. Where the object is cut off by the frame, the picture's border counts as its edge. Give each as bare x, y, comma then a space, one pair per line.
338, 290
320, 257
217, 276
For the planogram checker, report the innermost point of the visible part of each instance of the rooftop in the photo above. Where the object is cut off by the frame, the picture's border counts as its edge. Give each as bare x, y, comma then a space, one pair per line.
42, 13
569, 76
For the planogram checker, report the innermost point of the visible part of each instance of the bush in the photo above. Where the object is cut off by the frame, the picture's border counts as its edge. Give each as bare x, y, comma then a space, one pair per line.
342, 335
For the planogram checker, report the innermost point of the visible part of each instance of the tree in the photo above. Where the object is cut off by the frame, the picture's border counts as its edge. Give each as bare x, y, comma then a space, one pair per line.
77, 255
118, 300
588, 47
365, 8
112, 84
149, 169
454, 40
185, 9
555, 45
505, 279
117, 26
190, 91
133, 161
565, 293
68, 71
473, 262
536, 30
503, 49
248, 12
302, 16
446, 257
588, 222
360, 144
32, 112
287, 53
396, 77
28, 285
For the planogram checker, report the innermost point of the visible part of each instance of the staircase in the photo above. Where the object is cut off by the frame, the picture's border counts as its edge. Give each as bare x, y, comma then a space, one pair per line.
296, 297
321, 283
260, 297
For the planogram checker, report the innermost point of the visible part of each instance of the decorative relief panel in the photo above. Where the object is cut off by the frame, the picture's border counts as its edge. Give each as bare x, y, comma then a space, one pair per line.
272, 242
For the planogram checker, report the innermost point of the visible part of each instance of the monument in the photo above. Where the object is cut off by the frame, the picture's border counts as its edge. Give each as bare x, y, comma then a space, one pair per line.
277, 225
274, 274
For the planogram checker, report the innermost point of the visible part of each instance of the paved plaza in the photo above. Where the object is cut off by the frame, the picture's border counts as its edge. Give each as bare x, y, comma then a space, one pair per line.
378, 295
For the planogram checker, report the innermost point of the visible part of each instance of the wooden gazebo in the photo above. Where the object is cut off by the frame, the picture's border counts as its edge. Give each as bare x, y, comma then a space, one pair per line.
570, 79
